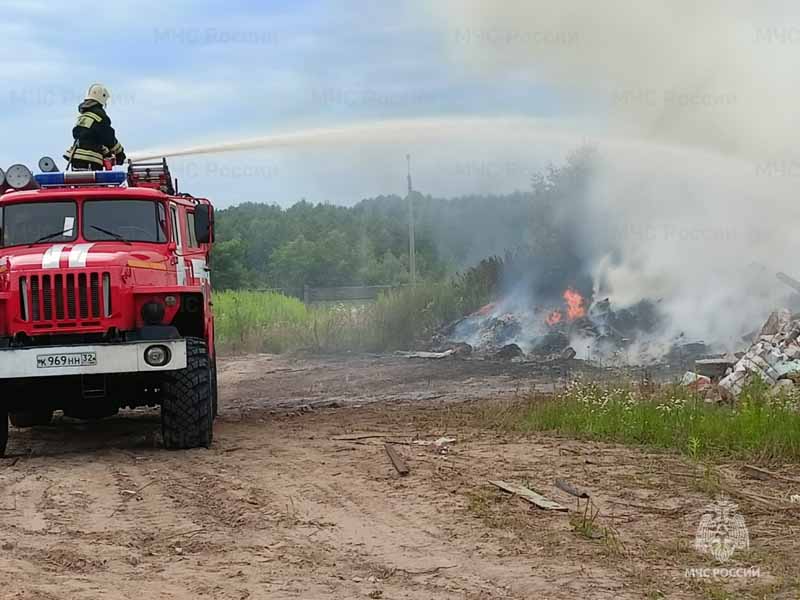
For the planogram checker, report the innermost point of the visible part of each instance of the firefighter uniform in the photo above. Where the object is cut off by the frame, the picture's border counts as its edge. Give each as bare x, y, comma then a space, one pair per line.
95, 138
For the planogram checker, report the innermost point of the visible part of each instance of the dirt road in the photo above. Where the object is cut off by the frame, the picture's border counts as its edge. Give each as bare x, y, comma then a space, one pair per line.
280, 508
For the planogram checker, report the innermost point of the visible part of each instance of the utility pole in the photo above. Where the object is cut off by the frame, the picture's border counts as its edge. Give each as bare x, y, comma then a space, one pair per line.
412, 245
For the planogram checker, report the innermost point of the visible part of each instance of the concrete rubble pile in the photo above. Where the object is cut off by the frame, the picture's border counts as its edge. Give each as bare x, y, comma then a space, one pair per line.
774, 357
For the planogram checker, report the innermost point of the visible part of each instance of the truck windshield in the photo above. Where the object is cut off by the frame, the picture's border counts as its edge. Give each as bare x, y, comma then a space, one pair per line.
32, 222
127, 220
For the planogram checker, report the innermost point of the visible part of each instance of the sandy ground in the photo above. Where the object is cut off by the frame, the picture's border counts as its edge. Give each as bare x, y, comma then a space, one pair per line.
280, 508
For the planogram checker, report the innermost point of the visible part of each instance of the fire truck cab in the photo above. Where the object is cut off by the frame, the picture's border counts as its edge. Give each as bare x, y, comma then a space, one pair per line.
105, 299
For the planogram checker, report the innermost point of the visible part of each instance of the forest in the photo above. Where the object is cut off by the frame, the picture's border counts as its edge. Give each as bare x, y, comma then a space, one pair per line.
264, 246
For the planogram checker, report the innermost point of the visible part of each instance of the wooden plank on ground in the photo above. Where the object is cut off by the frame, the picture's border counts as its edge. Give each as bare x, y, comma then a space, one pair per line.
429, 355
529, 496
352, 437
566, 486
763, 474
397, 460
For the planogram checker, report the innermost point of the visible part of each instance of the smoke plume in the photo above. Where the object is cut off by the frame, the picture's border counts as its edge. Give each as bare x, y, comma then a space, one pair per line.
693, 198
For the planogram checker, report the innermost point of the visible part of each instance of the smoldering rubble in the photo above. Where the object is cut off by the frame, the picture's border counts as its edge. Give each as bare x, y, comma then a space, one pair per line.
569, 330
773, 355
596, 332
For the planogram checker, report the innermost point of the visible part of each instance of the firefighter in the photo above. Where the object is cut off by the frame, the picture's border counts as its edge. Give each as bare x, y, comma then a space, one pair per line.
94, 136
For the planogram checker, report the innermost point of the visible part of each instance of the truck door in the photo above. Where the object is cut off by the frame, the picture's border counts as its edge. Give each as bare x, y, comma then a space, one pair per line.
180, 266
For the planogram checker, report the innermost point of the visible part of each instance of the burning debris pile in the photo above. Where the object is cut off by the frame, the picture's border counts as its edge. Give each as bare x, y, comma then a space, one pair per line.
569, 328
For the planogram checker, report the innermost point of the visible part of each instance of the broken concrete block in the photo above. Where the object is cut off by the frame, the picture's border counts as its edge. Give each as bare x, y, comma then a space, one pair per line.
695, 381
774, 357
777, 320
714, 368
787, 367
781, 387
792, 351
732, 385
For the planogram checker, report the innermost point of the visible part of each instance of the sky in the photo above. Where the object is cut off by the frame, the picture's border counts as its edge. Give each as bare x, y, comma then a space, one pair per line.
185, 73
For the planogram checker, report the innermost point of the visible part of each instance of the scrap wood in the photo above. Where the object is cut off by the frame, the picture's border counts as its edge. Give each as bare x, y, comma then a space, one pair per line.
759, 473
131, 494
529, 495
430, 355
774, 504
733, 489
397, 460
567, 487
351, 437
190, 533
442, 441
424, 571
650, 508
569, 450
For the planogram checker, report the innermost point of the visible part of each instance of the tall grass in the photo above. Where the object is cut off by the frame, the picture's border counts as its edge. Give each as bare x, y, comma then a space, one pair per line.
399, 319
759, 427
257, 321
248, 321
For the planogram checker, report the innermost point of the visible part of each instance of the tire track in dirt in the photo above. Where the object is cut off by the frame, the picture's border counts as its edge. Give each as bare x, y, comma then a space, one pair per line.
398, 530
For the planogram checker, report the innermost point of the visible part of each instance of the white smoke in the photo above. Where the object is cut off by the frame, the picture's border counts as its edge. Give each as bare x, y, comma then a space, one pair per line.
699, 205
718, 74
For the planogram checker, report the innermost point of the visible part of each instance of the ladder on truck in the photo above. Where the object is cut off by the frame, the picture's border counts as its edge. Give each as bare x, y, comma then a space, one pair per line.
151, 174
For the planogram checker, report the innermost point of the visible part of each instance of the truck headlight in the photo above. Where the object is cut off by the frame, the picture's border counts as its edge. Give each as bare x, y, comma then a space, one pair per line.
156, 356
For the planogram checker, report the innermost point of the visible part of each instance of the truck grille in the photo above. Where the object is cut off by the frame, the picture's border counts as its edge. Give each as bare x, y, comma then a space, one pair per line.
63, 300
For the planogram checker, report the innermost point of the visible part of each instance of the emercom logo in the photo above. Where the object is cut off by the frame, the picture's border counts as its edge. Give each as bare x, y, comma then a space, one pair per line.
721, 533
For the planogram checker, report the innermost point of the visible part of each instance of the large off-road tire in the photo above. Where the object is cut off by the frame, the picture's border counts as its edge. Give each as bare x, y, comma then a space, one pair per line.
187, 415
214, 387
31, 418
3, 431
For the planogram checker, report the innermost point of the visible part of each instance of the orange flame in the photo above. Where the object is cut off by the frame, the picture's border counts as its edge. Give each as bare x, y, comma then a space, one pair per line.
575, 307
485, 311
554, 317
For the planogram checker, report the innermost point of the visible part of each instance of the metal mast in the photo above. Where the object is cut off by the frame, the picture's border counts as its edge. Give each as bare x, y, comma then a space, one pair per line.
412, 246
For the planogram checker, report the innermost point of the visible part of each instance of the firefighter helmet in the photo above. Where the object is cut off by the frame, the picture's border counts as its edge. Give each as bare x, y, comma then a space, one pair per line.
99, 93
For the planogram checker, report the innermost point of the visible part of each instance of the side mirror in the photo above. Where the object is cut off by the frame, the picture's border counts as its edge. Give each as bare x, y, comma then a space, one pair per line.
204, 223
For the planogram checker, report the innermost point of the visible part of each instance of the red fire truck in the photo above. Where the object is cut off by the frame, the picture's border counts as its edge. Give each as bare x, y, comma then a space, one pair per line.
105, 299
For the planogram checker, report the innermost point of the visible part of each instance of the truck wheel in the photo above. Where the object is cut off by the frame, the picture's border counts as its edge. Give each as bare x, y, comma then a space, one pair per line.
31, 418
3, 431
186, 407
214, 387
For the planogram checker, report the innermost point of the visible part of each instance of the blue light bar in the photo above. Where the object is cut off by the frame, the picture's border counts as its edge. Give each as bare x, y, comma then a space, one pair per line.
80, 178
46, 179
110, 177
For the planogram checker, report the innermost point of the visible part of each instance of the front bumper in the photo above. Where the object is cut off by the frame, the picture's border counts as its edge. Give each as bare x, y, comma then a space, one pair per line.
54, 361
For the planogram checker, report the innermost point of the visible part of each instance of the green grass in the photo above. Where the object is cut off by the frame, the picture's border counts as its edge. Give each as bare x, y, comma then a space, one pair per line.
257, 321
758, 428
250, 321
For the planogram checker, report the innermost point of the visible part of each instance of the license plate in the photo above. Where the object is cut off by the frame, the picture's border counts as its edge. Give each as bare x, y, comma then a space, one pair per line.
66, 360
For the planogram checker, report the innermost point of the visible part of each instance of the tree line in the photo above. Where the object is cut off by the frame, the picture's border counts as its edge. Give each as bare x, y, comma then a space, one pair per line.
265, 246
